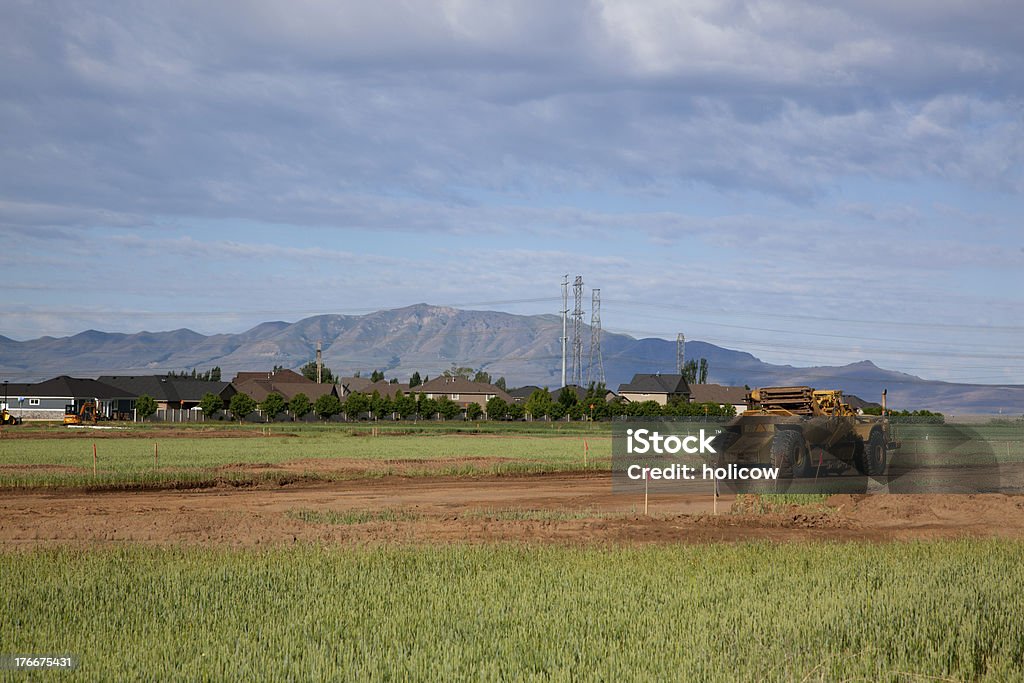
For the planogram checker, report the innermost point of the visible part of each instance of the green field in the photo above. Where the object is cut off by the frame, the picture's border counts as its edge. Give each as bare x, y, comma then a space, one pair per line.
898, 612
130, 461
189, 455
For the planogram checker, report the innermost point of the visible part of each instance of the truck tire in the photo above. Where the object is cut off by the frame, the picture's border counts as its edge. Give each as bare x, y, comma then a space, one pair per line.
802, 459
786, 452
875, 458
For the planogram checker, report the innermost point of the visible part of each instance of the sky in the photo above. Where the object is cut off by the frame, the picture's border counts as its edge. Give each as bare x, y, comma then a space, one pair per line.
812, 182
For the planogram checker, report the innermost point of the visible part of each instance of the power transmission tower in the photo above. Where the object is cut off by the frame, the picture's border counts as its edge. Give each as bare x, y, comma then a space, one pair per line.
680, 353
595, 371
577, 332
564, 339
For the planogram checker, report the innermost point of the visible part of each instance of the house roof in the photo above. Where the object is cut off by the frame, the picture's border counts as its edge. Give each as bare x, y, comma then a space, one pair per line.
656, 384
73, 387
163, 388
289, 376
523, 392
259, 389
717, 393
354, 383
386, 388
461, 385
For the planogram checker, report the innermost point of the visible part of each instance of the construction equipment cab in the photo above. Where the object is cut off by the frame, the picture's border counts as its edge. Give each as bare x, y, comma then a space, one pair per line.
87, 412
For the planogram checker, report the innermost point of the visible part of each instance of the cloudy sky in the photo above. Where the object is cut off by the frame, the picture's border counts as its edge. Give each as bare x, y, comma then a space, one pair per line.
811, 182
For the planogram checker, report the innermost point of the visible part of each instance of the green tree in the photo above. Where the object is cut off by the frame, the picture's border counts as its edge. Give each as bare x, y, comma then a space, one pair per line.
515, 411
210, 403
272, 405
376, 376
309, 372
426, 407
567, 397
474, 411
448, 408
414, 380
483, 377
500, 383
696, 372
327, 406
497, 408
378, 405
299, 406
356, 404
404, 404
145, 406
241, 405
455, 371
539, 404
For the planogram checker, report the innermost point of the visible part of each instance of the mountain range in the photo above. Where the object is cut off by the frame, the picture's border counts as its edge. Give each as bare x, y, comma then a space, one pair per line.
525, 349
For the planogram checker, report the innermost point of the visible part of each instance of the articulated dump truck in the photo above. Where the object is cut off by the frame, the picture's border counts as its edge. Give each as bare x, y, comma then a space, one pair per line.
806, 433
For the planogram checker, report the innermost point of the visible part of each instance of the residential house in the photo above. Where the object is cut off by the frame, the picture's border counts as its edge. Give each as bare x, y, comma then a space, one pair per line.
720, 395
286, 383
657, 387
386, 388
462, 391
170, 393
281, 375
349, 385
523, 394
48, 400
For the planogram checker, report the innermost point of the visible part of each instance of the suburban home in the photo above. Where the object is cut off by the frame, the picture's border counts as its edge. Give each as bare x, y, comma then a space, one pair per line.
657, 387
462, 391
281, 375
386, 388
286, 383
581, 393
47, 400
349, 385
720, 395
523, 394
170, 393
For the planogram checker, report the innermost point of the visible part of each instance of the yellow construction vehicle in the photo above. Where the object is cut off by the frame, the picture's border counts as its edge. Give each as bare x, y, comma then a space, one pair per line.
7, 419
88, 412
807, 433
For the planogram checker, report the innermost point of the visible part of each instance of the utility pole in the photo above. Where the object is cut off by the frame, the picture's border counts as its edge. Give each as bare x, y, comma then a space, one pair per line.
319, 362
595, 371
565, 330
680, 353
577, 332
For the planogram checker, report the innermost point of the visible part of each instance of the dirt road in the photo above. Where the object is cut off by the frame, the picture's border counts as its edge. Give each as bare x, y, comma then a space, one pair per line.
554, 508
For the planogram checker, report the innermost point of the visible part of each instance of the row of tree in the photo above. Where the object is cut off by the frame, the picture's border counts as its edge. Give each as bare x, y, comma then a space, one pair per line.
539, 406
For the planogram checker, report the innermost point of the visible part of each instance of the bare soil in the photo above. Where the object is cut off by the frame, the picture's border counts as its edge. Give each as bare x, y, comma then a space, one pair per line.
564, 508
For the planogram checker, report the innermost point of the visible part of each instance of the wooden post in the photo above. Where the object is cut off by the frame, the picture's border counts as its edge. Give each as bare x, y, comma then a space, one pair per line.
646, 479
714, 494
94, 459
156, 454
586, 450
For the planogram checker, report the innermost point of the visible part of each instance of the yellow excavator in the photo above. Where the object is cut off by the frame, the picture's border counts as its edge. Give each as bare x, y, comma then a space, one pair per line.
87, 412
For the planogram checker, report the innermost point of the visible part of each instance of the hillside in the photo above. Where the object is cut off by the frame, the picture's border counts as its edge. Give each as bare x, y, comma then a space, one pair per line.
524, 349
